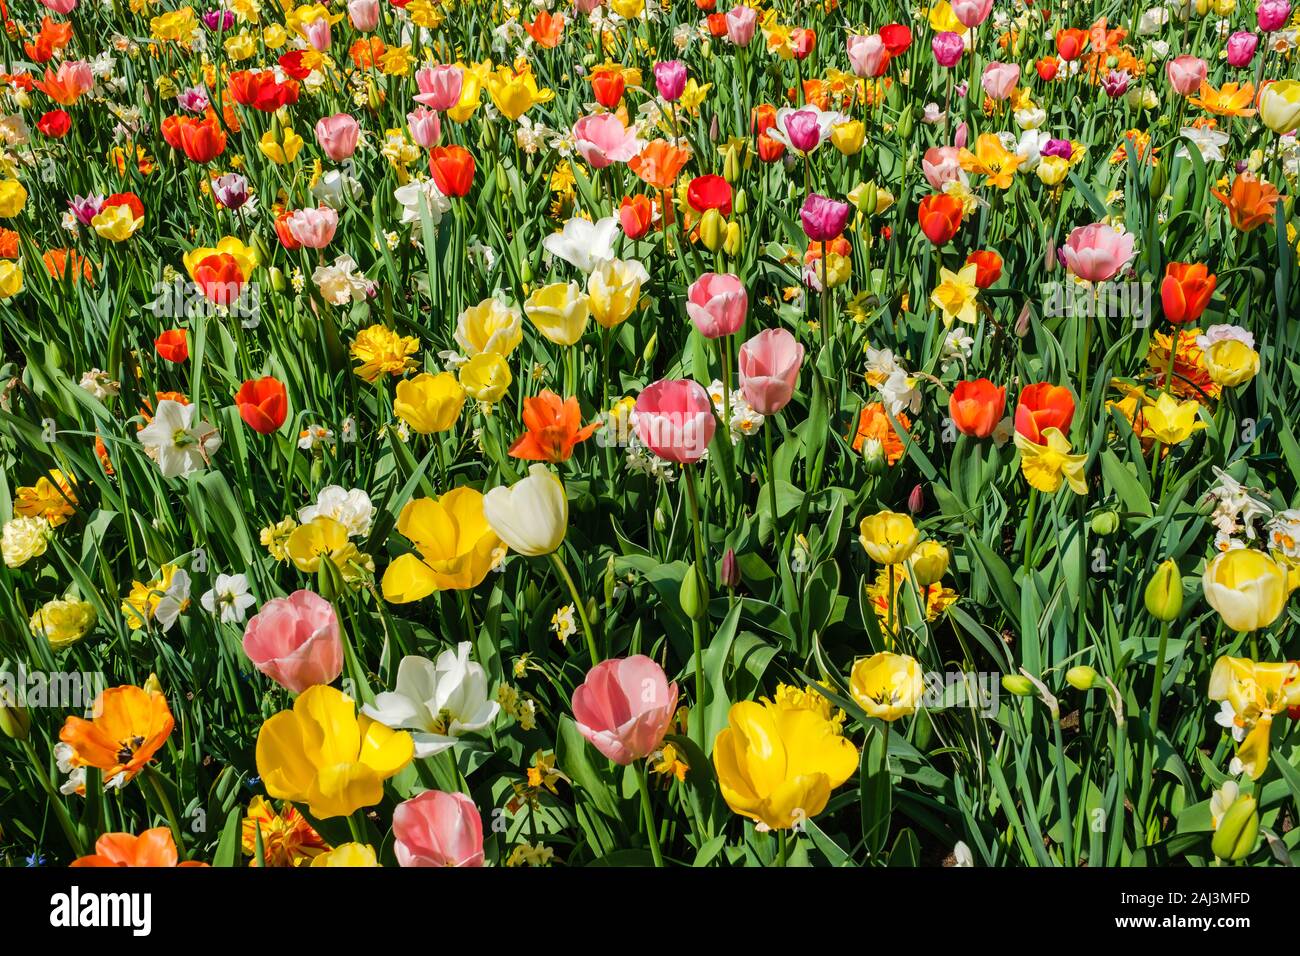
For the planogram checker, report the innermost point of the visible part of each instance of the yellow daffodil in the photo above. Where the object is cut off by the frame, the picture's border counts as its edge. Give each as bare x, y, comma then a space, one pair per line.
52, 497
323, 538
456, 547
1255, 692
323, 754
887, 686
429, 403
1046, 466
1170, 421
957, 296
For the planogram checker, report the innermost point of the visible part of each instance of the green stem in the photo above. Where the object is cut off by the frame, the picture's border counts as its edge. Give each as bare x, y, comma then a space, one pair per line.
579, 605
56, 800
652, 831
172, 820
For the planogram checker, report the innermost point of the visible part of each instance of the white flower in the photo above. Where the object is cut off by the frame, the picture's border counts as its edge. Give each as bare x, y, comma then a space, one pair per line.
1220, 333
1030, 148
1283, 532
1152, 21
932, 114
23, 539
437, 702
98, 383
962, 855
228, 598
582, 244
174, 600
1227, 718
1222, 799
335, 189
563, 623
314, 435
180, 445
1003, 431
350, 508
409, 197
1209, 142
899, 393
341, 283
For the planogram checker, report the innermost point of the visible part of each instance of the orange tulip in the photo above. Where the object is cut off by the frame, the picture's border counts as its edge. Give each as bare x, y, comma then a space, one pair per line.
607, 83
554, 427
1250, 202
1185, 291
940, 217
57, 262
546, 30
452, 168
976, 407
131, 725
659, 163
151, 848
1070, 44
1042, 406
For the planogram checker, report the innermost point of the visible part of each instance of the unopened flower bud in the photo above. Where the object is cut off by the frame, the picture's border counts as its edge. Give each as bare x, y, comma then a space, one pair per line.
1104, 523
15, 722
1081, 677
1017, 684
690, 595
1164, 593
1235, 837
730, 569
916, 500
712, 230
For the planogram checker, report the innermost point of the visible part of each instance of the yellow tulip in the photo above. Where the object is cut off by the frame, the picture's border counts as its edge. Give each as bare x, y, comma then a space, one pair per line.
1246, 587
532, 515
1279, 106
848, 137
778, 765
1171, 421
1046, 466
283, 151
11, 279
1052, 169
347, 854
471, 92
888, 537
628, 9
486, 377
559, 311
514, 94
490, 326
614, 290
1231, 362
456, 547
116, 223
429, 403
246, 257
13, 196
887, 686
325, 538
929, 563
323, 754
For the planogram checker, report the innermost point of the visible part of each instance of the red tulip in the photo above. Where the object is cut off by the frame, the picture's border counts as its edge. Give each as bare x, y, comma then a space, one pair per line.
940, 217
710, 192
55, 123
988, 267
1042, 406
173, 346
219, 278
976, 407
1186, 291
263, 404
452, 168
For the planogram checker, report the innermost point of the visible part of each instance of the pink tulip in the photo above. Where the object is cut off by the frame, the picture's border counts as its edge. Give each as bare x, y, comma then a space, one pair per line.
624, 707
337, 136
941, 165
769, 368
1272, 14
960, 135
295, 641
1000, 79
670, 79
805, 128
426, 128
585, 7
364, 14
1186, 74
741, 23
971, 13
1097, 252
318, 34
717, 304
948, 48
59, 6
674, 419
823, 219
439, 86
1241, 48
438, 829
602, 139
313, 228
868, 56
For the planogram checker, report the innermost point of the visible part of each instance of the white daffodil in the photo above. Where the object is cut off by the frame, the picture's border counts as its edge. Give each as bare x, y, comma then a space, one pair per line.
228, 598
179, 444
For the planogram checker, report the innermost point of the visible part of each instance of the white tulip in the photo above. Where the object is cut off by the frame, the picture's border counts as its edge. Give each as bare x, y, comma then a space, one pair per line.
532, 515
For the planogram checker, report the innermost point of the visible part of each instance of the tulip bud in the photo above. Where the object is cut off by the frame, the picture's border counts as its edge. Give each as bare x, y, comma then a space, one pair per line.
690, 597
651, 347
873, 453
1017, 684
905, 123
712, 227
1104, 523
152, 684
1236, 834
503, 182
1164, 593
864, 196
740, 203
731, 244
916, 500
730, 569
730, 164
15, 722
610, 581
278, 282
661, 520
1081, 677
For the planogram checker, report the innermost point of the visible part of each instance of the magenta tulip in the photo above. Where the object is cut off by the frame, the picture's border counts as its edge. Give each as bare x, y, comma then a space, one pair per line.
1272, 15
670, 79
624, 707
674, 419
295, 641
823, 219
438, 829
948, 48
717, 304
769, 368
1241, 48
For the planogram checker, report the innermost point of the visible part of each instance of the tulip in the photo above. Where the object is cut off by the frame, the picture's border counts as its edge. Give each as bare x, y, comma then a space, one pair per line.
1236, 833
717, 304
940, 217
1186, 74
847, 138
490, 326
1097, 252
868, 56
887, 686
742, 21
624, 707
1272, 15
425, 126
674, 419
603, 140
670, 79
823, 219
485, 377
583, 244
636, 216
1241, 48
429, 403
1164, 592
440, 87
322, 754
948, 48
1231, 362
11, 279
456, 545
559, 311
364, 15
452, 168
888, 537
318, 34
347, 855
778, 765
709, 192
337, 136
313, 228
263, 404
532, 515
971, 13
976, 407
1279, 106
608, 85
805, 129
1000, 79
438, 829
296, 641
940, 165
614, 291
1246, 587
769, 368
173, 346
1185, 291
553, 428
929, 561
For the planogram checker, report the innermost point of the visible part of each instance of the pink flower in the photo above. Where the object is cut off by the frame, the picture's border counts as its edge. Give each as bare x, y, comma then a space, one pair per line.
1272, 14
295, 641
439, 86
318, 34
586, 6
59, 6
741, 22
717, 304
438, 829
1241, 48
674, 419
337, 136
670, 79
1000, 79
624, 707
364, 14
426, 128
868, 56
313, 228
941, 165
1186, 73
823, 219
769, 367
948, 48
804, 129
971, 13
1097, 252
960, 135
602, 139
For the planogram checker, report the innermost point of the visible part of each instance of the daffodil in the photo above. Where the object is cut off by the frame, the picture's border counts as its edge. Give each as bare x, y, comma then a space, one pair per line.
1046, 466
957, 295
1170, 421
1255, 692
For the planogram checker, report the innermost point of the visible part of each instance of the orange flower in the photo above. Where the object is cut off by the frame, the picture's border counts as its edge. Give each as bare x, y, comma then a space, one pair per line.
659, 163
1231, 99
874, 424
366, 53
131, 724
1191, 377
8, 244
287, 838
52, 38
151, 848
546, 30
554, 427
66, 86
1250, 202
839, 246
992, 160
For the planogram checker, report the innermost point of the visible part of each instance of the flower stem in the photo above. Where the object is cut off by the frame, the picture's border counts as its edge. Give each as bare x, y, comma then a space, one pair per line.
652, 831
578, 605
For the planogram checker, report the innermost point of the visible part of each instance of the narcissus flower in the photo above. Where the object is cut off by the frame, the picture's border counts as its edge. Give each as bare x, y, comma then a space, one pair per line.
152, 848
887, 686
457, 547
1256, 692
554, 426
1247, 588
532, 515
129, 727
1170, 421
322, 754
429, 403
180, 441
888, 537
957, 296
1045, 466
52, 497
437, 702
